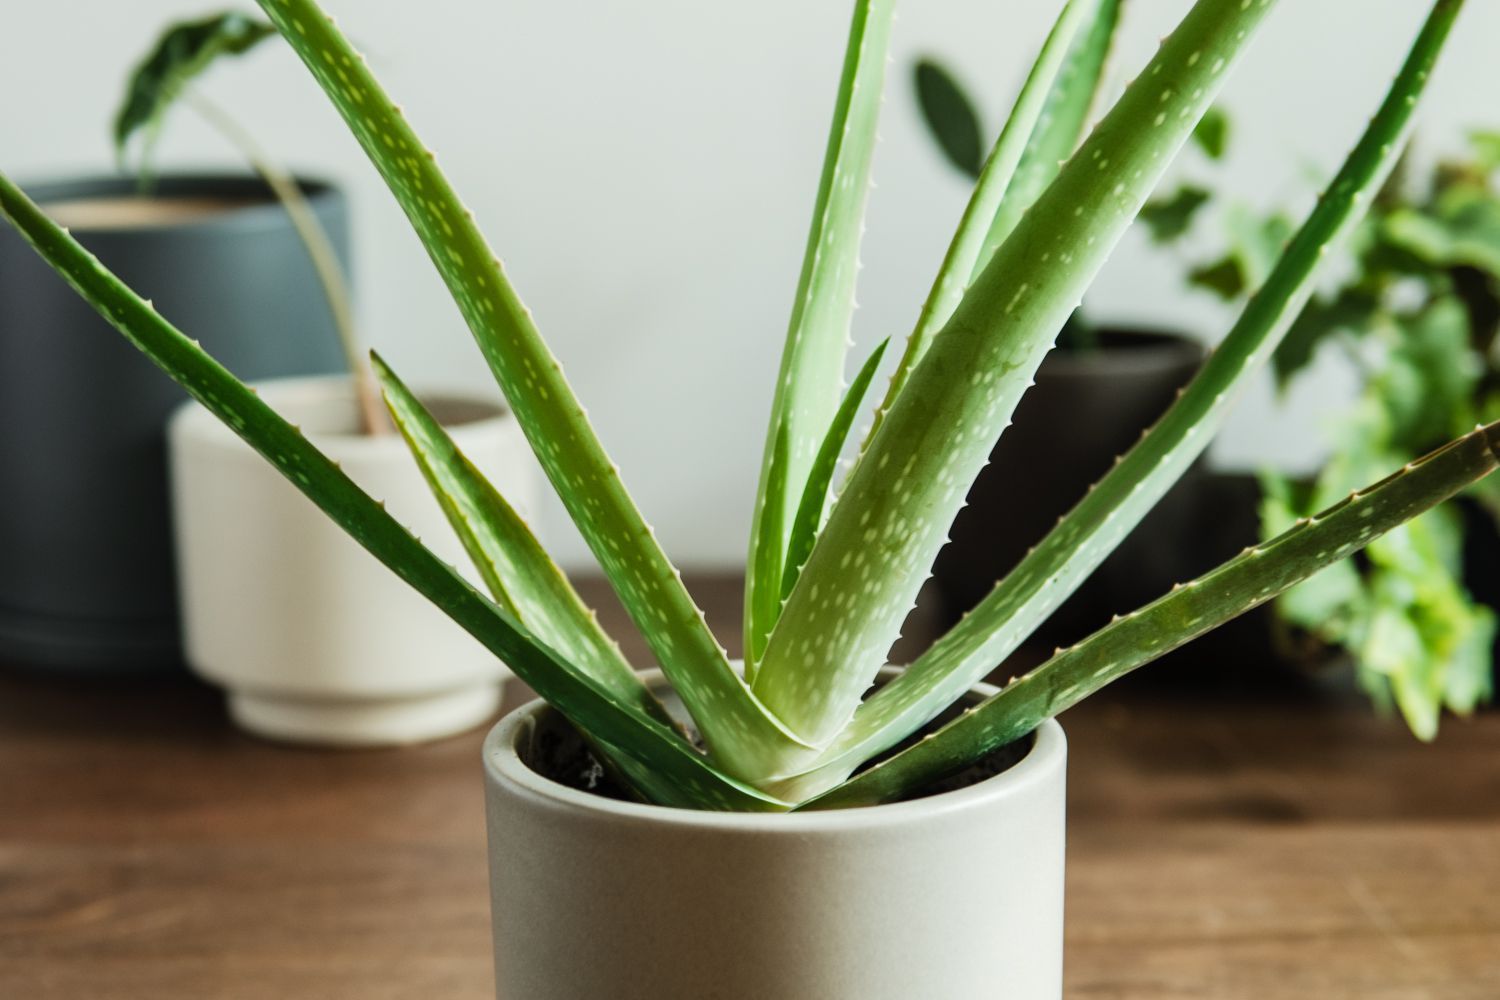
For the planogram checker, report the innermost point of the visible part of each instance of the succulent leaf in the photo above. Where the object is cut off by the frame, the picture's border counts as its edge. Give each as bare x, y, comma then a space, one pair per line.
1088, 533
182, 52
1252, 578
815, 496
812, 361
733, 724
970, 244
1060, 126
519, 573
874, 552
680, 776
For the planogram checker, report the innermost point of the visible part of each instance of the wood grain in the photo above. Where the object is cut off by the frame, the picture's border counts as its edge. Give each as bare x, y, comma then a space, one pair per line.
1232, 835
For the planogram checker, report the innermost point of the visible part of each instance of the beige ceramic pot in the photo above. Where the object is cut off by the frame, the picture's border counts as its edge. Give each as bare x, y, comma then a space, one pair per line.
957, 896
313, 639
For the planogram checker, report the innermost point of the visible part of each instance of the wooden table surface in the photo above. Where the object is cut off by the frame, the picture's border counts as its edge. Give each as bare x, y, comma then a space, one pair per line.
1265, 839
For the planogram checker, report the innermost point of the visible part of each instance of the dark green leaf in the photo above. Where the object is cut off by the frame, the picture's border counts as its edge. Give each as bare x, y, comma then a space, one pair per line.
181, 53
1170, 217
950, 117
1224, 277
1350, 310
1212, 133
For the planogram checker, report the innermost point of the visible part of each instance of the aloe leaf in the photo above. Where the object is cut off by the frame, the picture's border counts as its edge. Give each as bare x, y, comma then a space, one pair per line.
812, 362
1060, 126
815, 495
873, 554
990, 193
182, 52
1254, 577
1081, 540
734, 725
519, 573
679, 775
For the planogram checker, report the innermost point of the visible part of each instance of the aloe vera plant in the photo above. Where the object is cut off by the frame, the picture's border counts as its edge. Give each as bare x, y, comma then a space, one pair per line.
836, 564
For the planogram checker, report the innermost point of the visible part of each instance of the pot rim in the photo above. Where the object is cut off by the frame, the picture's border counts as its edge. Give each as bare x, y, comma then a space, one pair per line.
259, 210
194, 420
1138, 349
504, 767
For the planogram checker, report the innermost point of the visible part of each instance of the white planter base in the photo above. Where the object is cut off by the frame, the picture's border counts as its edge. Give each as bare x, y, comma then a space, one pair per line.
314, 640
363, 722
958, 896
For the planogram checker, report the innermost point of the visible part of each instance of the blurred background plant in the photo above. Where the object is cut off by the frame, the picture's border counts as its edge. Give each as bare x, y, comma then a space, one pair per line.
1416, 312
183, 52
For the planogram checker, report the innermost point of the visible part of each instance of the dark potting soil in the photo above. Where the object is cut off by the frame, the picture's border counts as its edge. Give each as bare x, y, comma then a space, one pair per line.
557, 752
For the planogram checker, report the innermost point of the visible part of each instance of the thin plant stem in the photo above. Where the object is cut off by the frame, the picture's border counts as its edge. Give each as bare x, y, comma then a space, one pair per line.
372, 416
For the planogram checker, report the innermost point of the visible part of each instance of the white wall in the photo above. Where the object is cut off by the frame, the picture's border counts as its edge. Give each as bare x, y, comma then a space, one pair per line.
647, 170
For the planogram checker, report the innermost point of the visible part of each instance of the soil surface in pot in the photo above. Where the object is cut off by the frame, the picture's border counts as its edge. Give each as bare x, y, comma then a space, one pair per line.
139, 211
558, 753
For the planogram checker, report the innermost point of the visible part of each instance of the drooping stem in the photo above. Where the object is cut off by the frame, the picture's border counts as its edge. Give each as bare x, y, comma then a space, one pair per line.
372, 415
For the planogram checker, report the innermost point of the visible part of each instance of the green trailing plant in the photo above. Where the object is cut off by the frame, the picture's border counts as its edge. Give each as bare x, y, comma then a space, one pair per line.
800, 721
1416, 309
164, 78
1418, 313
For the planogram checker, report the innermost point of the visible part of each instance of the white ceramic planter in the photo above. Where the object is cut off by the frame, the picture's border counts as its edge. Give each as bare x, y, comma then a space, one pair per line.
957, 896
314, 640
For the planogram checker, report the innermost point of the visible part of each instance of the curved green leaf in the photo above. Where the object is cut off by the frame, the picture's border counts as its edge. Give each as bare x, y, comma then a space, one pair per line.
1088, 533
811, 376
181, 53
815, 496
848, 605
1251, 579
680, 776
971, 243
520, 575
737, 729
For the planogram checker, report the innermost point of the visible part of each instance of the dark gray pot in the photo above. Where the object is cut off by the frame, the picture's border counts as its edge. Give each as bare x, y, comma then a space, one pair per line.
1085, 408
86, 568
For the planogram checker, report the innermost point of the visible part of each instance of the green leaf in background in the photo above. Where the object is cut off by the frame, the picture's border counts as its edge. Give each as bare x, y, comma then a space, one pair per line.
1212, 134
1168, 218
183, 52
1428, 378
1485, 145
1463, 227
1350, 309
950, 116
1419, 641
1255, 244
